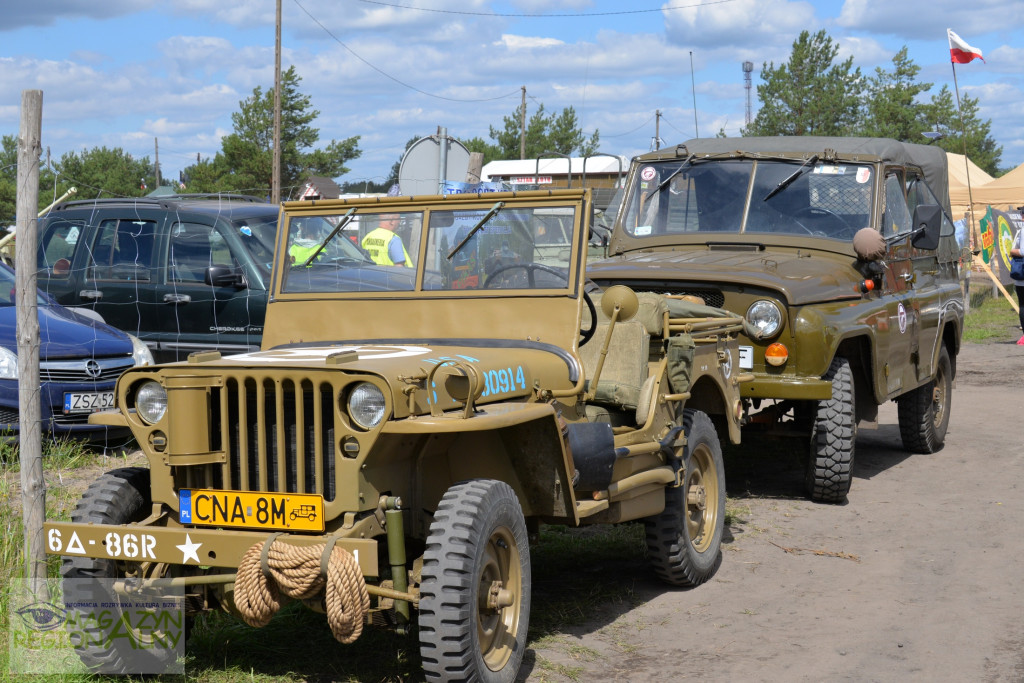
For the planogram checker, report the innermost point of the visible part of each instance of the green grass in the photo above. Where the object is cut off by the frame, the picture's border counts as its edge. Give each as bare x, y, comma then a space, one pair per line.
580, 576
992, 319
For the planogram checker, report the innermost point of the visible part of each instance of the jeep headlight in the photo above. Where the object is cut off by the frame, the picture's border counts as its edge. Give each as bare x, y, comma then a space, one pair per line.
766, 317
151, 402
366, 405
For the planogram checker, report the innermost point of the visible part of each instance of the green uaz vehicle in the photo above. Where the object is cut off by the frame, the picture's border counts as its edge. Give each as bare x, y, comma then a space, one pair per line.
389, 453
839, 251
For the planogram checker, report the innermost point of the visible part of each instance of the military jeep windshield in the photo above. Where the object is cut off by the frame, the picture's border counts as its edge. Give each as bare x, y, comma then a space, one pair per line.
498, 248
701, 196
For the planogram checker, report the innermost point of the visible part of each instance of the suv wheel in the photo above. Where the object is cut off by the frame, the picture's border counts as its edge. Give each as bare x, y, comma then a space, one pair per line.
924, 412
120, 496
833, 434
684, 541
475, 594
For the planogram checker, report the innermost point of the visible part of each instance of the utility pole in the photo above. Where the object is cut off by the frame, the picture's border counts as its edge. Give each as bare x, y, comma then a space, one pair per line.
156, 162
522, 127
657, 129
275, 183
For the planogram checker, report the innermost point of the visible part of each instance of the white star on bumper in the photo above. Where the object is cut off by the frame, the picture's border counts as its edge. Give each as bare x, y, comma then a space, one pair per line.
188, 550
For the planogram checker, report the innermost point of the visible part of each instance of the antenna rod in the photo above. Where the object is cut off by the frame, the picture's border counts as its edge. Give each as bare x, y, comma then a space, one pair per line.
693, 89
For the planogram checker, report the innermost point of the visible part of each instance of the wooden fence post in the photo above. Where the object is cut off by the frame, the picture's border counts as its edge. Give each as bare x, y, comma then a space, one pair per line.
33, 488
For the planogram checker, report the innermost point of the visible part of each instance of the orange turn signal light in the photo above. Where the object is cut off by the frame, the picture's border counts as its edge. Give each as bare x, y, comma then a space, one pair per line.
776, 354
867, 286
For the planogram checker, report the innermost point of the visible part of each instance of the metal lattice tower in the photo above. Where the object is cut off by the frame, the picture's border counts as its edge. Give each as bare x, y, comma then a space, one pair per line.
747, 68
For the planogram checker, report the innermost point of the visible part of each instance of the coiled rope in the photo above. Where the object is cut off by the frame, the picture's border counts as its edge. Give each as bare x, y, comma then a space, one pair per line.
272, 573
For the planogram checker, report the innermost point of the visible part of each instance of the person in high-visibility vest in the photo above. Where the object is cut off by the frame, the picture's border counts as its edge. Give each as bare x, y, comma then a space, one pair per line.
304, 244
384, 246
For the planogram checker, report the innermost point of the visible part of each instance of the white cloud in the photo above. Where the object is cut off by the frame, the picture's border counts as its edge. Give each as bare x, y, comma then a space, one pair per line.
744, 26
527, 43
913, 20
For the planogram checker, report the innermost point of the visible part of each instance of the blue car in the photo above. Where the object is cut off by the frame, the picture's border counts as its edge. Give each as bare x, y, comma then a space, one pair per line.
80, 359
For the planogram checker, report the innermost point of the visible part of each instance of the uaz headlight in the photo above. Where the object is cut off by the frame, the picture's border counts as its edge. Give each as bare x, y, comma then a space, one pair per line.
151, 402
766, 317
366, 405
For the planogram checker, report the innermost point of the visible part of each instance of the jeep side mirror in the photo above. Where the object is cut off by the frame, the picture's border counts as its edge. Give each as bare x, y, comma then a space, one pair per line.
927, 224
224, 276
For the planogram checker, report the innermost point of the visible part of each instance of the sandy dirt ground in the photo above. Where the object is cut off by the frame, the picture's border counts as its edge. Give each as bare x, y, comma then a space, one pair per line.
919, 576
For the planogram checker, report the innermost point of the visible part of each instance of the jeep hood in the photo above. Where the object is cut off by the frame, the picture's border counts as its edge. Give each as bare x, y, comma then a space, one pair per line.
507, 368
800, 276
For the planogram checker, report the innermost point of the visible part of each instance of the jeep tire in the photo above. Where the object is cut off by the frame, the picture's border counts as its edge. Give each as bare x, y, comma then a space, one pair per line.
121, 496
833, 434
684, 541
475, 592
924, 412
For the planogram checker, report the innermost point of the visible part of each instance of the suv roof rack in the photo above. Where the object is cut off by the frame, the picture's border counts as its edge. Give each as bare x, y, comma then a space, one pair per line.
157, 201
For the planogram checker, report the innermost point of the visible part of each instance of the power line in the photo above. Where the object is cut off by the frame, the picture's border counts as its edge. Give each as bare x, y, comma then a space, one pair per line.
389, 76
630, 132
544, 16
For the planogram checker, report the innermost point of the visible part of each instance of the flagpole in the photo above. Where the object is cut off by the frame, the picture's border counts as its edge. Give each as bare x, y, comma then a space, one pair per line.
970, 197
967, 163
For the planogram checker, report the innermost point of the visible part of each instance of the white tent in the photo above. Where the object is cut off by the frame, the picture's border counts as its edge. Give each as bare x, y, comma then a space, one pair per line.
958, 176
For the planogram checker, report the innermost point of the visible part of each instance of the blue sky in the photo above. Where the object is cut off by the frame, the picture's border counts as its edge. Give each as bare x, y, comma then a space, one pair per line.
129, 73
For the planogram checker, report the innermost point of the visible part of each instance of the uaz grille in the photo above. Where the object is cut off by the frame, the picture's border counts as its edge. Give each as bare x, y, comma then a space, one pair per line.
278, 436
711, 296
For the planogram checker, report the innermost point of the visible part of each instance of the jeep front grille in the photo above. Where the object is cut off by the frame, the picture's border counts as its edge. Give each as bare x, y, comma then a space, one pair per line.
277, 436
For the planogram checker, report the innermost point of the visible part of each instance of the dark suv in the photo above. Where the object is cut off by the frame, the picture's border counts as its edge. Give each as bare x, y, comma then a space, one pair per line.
185, 273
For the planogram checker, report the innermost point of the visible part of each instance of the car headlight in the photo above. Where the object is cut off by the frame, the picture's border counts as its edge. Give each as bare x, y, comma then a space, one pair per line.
366, 405
8, 364
151, 402
766, 317
140, 352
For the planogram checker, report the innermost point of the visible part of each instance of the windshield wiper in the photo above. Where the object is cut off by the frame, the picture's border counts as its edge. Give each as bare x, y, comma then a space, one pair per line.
792, 176
476, 228
323, 245
673, 174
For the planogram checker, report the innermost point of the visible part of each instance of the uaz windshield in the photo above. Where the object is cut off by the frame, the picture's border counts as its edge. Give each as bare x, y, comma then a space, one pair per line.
821, 199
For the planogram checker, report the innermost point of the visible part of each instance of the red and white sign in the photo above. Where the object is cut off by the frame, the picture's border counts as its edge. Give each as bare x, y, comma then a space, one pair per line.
530, 180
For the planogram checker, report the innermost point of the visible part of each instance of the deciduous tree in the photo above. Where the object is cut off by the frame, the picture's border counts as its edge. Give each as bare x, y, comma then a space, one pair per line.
544, 133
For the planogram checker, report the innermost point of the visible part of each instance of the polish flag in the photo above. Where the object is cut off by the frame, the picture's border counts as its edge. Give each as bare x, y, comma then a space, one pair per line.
959, 51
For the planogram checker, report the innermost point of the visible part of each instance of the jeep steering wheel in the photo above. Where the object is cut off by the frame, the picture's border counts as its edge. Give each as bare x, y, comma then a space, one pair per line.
531, 268
588, 334
811, 211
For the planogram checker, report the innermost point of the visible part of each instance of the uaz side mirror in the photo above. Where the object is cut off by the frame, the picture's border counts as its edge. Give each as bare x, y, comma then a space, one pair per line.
927, 223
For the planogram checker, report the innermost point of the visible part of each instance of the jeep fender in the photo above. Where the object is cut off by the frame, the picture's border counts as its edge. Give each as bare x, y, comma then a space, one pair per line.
522, 444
